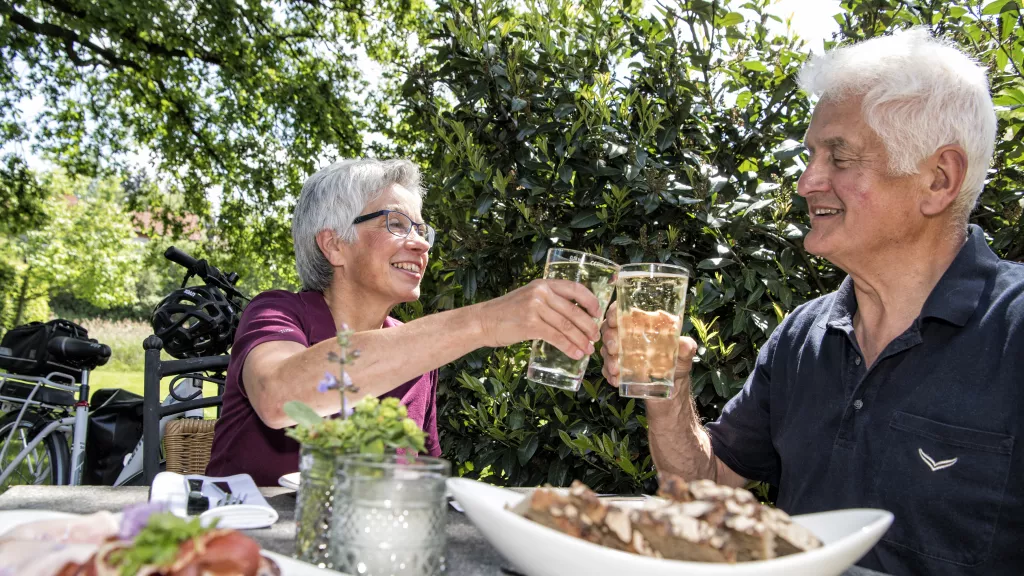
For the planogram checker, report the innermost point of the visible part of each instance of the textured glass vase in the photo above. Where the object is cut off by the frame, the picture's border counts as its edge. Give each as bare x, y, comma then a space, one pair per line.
314, 504
389, 515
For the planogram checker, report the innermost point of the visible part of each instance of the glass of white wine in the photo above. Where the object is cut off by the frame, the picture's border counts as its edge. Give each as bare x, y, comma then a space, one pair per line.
650, 300
548, 365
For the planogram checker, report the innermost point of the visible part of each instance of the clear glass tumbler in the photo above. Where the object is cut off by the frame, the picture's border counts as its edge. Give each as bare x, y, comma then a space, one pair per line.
650, 300
390, 513
548, 365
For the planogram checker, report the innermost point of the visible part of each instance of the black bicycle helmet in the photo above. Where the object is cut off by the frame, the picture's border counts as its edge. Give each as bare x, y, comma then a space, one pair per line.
195, 321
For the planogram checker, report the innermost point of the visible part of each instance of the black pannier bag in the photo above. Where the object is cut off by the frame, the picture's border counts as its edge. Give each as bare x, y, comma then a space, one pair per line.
24, 347
115, 428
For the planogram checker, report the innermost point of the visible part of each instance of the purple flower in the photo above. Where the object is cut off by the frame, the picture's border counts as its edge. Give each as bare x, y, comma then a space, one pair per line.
330, 382
347, 380
134, 518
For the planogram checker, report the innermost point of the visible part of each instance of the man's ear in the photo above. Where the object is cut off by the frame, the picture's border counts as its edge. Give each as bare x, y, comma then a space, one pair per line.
947, 169
332, 247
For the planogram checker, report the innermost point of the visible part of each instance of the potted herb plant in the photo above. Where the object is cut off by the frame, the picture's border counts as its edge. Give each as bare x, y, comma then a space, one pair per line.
373, 427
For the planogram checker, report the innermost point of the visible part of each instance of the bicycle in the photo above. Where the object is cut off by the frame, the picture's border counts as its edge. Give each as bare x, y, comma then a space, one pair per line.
41, 410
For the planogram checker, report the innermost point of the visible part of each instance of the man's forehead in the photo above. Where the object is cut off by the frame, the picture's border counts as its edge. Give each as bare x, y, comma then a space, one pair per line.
836, 126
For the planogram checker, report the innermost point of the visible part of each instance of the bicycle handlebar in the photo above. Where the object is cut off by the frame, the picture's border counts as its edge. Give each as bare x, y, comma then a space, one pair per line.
181, 258
78, 349
206, 271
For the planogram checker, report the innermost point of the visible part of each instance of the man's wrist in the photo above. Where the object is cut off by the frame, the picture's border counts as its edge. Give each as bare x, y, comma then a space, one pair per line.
669, 409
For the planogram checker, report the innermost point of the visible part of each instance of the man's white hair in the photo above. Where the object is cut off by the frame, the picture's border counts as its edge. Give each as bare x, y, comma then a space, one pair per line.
331, 199
919, 94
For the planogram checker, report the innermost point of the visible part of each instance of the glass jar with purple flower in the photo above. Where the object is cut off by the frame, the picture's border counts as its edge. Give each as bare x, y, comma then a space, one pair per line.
371, 427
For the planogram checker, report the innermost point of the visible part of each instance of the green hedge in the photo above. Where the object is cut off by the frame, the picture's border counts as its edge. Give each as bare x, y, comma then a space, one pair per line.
670, 137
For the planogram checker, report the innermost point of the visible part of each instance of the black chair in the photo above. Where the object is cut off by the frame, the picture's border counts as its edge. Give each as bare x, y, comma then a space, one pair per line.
209, 369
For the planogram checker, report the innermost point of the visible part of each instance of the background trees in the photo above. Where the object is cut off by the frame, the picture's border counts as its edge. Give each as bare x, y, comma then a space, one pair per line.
639, 131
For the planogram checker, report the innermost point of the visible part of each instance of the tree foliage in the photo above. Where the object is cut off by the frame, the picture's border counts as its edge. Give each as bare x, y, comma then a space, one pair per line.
85, 246
235, 101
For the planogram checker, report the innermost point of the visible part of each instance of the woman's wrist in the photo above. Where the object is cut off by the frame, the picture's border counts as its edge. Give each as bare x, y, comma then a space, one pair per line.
467, 326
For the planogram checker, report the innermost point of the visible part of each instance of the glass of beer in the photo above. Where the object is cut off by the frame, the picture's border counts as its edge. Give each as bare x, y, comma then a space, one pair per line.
548, 365
650, 302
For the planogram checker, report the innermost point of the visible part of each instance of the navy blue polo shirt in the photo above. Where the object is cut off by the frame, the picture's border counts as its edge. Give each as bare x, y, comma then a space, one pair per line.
931, 432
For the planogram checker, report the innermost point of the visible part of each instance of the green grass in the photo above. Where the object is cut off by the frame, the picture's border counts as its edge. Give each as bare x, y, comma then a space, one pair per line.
125, 340
133, 382
127, 358
103, 378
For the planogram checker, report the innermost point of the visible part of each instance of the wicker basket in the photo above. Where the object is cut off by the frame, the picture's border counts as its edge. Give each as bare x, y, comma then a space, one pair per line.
187, 445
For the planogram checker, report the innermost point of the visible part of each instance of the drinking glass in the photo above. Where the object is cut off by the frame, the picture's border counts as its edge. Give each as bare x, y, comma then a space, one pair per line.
650, 300
548, 365
389, 515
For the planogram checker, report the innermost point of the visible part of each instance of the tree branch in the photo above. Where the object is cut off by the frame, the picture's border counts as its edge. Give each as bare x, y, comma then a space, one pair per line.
132, 34
190, 124
69, 37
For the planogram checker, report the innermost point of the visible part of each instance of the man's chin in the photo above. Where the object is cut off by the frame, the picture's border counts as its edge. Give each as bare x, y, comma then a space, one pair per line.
815, 244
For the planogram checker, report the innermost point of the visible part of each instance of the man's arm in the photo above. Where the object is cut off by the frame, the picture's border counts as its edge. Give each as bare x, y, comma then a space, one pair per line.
679, 444
278, 371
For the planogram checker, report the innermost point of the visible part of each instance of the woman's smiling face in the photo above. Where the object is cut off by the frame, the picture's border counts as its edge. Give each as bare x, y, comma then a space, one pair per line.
380, 265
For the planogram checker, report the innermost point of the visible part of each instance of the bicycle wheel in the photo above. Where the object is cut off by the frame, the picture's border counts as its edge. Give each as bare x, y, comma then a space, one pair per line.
48, 463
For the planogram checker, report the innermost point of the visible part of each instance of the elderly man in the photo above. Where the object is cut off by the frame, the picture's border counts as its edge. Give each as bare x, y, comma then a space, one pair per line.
903, 389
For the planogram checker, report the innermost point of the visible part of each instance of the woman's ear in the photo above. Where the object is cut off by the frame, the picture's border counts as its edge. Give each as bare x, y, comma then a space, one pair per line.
332, 247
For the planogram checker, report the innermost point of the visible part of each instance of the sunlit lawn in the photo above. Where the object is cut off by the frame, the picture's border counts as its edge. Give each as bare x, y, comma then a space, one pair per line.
130, 381
133, 382
127, 358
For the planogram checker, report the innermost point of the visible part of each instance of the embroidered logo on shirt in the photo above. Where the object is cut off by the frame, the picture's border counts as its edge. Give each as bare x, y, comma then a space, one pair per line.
932, 464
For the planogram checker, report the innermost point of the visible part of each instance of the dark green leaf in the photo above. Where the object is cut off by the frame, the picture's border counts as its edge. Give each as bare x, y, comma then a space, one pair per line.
563, 110
585, 219
527, 450
667, 137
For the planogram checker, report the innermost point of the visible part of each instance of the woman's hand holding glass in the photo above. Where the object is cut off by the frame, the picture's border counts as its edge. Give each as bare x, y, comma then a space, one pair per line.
546, 310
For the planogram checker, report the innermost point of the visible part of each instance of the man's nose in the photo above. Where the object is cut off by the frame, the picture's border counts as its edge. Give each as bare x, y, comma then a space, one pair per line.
814, 179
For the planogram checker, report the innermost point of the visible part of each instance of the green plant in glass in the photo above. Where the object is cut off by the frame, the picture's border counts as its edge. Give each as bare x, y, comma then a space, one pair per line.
374, 427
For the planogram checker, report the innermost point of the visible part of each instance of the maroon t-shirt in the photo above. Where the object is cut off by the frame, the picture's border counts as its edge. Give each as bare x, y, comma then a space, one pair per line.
241, 442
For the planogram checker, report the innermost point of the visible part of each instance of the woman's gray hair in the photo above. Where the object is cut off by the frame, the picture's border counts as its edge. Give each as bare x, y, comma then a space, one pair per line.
919, 94
331, 199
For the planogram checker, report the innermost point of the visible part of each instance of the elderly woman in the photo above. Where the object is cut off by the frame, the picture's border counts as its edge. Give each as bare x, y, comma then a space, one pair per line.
361, 247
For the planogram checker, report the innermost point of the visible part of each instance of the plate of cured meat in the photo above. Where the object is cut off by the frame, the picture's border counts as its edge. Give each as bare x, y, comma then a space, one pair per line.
45, 543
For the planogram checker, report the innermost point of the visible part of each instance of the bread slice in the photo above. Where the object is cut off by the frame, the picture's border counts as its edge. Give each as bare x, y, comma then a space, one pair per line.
698, 521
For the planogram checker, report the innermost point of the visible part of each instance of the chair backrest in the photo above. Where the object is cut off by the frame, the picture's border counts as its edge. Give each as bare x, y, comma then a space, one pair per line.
153, 410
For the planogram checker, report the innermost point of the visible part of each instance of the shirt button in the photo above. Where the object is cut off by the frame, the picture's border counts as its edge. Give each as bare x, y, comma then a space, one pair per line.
858, 404
857, 360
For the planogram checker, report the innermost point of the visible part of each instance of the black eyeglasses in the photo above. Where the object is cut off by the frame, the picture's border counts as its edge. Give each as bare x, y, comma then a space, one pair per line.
400, 225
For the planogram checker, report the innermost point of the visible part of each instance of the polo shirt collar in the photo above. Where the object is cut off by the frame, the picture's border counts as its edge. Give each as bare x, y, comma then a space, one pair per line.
955, 297
844, 305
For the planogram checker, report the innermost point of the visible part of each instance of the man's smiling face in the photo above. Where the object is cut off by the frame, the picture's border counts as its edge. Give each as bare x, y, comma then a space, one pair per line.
857, 208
